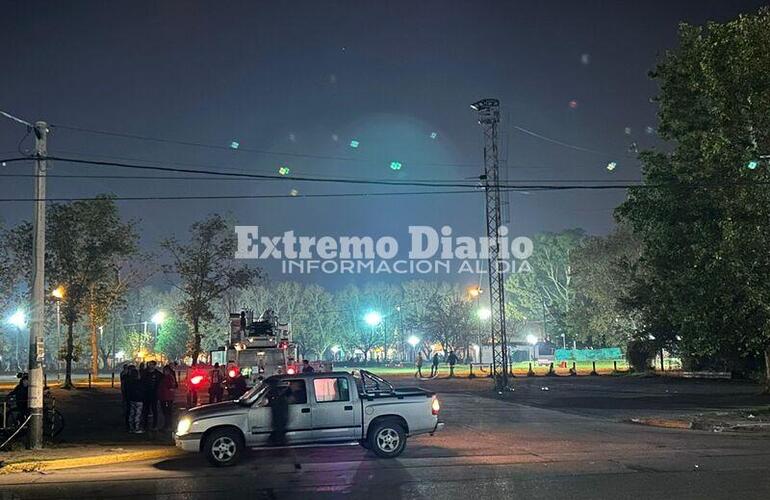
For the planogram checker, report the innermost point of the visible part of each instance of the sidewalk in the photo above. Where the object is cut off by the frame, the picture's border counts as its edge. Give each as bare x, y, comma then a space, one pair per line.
67, 457
94, 434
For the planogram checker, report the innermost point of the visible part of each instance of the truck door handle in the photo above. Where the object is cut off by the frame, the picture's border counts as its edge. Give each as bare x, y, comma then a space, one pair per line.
305, 410
348, 408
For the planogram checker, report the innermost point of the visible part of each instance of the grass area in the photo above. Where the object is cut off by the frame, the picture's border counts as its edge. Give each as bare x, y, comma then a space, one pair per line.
582, 368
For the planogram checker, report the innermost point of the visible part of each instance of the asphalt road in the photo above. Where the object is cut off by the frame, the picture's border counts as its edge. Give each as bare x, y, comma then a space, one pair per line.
490, 449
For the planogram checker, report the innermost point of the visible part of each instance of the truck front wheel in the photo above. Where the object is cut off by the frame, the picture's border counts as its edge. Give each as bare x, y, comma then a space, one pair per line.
387, 439
223, 447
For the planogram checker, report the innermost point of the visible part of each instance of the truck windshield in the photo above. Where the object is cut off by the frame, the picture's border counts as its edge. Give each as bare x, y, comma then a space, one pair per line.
252, 395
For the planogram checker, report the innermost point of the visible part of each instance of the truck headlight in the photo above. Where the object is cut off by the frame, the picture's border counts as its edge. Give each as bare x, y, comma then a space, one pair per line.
183, 427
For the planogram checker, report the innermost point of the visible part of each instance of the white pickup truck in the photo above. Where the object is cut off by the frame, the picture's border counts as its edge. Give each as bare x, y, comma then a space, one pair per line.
324, 408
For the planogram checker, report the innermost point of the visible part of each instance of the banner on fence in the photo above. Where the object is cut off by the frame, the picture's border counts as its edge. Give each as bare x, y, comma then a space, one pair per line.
606, 354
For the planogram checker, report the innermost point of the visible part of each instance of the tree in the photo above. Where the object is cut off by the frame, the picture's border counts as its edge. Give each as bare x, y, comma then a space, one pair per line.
524, 303
315, 327
548, 292
172, 338
603, 268
84, 239
206, 269
703, 215
108, 295
448, 319
352, 302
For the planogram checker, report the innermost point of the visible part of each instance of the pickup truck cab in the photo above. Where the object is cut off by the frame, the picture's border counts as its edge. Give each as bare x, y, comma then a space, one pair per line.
324, 408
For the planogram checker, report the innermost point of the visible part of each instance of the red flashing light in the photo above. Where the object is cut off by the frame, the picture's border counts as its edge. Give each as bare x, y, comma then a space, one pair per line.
232, 372
291, 371
197, 379
435, 406
283, 345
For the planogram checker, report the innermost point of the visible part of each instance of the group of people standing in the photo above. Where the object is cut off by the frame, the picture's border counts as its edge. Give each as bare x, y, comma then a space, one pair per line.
148, 390
451, 359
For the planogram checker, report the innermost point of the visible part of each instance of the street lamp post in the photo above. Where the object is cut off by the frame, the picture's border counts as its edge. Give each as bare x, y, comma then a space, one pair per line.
19, 320
158, 318
483, 314
373, 319
58, 295
474, 292
413, 341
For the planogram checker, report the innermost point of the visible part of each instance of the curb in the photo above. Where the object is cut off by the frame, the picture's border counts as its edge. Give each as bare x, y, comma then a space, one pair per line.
89, 461
665, 423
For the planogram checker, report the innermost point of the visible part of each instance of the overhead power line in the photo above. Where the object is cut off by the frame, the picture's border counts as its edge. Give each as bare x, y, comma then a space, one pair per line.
15, 118
566, 144
163, 140
247, 196
211, 177
459, 183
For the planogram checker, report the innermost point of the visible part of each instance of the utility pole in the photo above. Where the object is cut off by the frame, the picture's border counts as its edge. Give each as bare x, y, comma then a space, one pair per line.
37, 324
489, 118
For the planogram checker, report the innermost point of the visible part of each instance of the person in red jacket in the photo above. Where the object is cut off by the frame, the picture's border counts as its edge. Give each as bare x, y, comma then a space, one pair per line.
166, 390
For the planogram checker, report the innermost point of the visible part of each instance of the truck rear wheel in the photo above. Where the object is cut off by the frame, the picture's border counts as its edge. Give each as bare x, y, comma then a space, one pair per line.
387, 439
223, 447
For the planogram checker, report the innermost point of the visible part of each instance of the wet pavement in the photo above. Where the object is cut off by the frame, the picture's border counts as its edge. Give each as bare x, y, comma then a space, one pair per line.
490, 447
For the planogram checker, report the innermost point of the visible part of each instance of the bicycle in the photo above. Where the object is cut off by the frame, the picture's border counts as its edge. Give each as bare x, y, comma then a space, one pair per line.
14, 420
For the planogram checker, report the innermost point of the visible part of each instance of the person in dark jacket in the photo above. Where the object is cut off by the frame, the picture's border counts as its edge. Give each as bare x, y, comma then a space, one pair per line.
306, 368
151, 382
418, 365
123, 395
21, 393
452, 360
434, 366
216, 379
135, 397
237, 386
278, 399
166, 391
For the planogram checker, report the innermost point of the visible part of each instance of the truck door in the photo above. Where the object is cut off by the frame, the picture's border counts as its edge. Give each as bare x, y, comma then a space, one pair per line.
335, 414
299, 429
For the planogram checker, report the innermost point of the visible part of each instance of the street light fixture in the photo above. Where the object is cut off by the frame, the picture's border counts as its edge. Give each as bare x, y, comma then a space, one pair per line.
531, 339
484, 313
373, 318
18, 319
158, 318
413, 341
58, 293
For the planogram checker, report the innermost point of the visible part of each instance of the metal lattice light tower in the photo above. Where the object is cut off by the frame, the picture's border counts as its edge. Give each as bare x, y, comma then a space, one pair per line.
489, 118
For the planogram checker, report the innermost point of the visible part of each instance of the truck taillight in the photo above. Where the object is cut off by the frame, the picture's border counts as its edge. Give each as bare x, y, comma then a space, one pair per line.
291, 371
435, 406
197, 379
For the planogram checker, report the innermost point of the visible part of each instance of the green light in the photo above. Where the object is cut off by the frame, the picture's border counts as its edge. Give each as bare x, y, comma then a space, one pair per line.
752, 164
395, 165
354, 144
235, 145
284, 170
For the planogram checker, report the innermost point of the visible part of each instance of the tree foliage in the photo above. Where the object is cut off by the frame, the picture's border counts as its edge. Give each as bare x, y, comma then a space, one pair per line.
703, 217
206, 270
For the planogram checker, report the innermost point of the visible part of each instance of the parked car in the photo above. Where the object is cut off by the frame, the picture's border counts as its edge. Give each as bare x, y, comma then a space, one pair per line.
324, 408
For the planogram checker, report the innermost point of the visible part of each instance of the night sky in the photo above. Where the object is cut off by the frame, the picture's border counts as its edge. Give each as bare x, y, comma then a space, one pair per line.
291, 77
